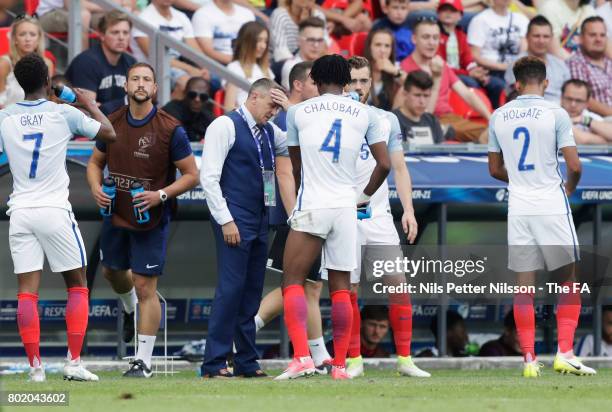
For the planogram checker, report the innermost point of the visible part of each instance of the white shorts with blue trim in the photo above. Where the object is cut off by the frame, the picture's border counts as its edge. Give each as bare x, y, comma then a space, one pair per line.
45, 231
338, 228
541, 241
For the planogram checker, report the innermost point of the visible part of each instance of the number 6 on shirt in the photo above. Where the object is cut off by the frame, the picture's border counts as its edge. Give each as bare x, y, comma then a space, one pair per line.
37, 137
334, 133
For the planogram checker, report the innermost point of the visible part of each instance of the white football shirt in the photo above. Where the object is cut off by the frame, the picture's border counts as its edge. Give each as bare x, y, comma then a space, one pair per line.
390, 128
529, 131
35, 135
330, 131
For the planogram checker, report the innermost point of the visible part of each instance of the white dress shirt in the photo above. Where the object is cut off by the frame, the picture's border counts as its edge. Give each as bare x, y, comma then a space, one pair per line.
219, 139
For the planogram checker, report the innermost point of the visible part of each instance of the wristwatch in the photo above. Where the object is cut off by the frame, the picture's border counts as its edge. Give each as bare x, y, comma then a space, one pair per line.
163, 196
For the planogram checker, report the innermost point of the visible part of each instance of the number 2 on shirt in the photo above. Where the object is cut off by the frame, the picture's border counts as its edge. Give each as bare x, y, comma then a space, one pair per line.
334, 133
37, 137
522, 167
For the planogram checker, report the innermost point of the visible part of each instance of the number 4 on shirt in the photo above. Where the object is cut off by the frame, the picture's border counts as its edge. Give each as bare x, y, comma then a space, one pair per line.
334, 133
37, 137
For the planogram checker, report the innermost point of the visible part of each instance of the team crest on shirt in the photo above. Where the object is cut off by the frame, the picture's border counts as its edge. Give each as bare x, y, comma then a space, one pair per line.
144, 142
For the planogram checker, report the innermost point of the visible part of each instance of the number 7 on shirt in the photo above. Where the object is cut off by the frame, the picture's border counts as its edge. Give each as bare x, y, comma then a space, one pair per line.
37, 137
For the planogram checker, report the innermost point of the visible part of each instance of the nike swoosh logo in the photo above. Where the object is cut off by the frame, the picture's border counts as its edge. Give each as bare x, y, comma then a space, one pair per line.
315, 344
575, 366
151, 266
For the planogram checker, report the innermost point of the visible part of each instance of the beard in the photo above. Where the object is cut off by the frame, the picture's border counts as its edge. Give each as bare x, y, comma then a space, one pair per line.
140, 97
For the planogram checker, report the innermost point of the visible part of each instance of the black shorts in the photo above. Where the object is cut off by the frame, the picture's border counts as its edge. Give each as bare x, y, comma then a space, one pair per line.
275, 257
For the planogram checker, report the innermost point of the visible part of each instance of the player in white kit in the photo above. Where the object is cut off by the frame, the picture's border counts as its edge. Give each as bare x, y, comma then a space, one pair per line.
524, 138
380, 230
34, 134
325, 135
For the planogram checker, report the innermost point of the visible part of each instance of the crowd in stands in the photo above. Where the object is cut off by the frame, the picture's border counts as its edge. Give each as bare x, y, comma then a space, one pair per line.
442, 66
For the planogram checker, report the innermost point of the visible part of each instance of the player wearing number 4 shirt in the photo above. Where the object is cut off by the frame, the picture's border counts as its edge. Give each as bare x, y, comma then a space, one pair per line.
524, 138
324, 135
34, 134
379, 235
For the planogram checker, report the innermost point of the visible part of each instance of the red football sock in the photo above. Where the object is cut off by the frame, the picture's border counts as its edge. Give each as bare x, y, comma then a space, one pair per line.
354, 349
29, 325
568, 312
294, 303
524, 317
400, 317
342, 321
77, 314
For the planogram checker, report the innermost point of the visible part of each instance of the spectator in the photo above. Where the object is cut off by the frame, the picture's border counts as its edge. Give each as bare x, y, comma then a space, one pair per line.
251, 61
284, 27
496, 36
426, 38
217, 25
161, 15
26, 37
586, 345
591, 65
301, 88
396, 12
101, 70
507, 344
418, 126
311, 46
566, 17
589, 127
456, 336
194, 111
374, 328
352, 19
189, 7
53, 15
387, 77
454, 49
6, 19
539, 39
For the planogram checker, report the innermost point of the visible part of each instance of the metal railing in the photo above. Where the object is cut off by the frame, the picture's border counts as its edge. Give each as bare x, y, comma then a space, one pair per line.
159, 43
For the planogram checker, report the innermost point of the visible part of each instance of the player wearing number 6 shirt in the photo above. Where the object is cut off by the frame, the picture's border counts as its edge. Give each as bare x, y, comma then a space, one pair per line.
34, 134
524, 138
378, 233
324, 135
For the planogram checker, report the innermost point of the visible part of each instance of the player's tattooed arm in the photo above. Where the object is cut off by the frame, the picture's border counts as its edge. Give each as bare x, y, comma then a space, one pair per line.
573, 167
497, 168
381, 170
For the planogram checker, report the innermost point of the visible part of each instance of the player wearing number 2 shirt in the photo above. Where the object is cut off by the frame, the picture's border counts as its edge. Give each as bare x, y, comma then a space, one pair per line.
324, 135
525, 136
34, 134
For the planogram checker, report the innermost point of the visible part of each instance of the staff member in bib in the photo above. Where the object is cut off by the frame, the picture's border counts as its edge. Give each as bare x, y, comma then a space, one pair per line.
150, 146
238, 178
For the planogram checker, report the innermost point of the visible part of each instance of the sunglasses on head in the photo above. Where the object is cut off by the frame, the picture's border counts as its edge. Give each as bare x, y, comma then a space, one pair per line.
432, 19
191, 95
20, 17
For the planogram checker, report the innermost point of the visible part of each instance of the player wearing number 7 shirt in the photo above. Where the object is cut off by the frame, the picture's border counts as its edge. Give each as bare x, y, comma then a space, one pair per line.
524, 138
34, 134
324, 135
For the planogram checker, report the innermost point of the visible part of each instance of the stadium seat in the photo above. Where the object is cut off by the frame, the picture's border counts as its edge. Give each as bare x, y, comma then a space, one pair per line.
218, 106
343, 4
5, 42
464, 110
30, 6
357, 45
502, 98
344, 44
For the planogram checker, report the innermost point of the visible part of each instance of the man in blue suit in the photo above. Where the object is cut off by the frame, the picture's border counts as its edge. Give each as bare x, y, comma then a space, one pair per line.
238, 179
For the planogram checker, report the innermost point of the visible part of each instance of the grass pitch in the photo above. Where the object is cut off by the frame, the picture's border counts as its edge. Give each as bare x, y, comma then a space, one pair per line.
446, 390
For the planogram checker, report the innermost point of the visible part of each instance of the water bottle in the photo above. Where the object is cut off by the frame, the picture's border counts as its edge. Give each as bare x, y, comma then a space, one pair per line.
65, 93
141, 217
108, 187
364, 212
354, 96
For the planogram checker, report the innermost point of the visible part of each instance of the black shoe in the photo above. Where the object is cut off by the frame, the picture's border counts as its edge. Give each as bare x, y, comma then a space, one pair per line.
221, 373
323, 369
138, 370
128, 326
254, 374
